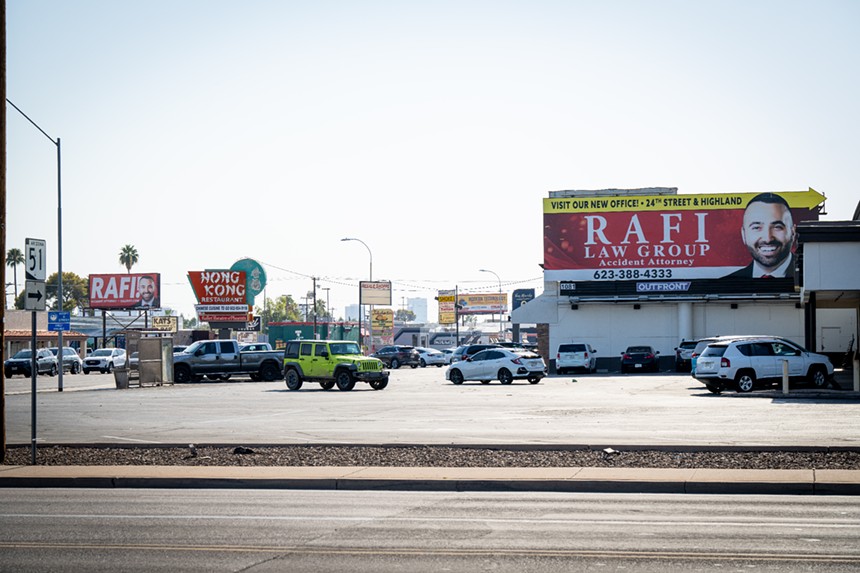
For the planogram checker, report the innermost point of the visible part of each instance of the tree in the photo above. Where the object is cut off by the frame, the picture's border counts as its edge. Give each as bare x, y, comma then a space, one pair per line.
281, 309
189, 323
14, 258
75, 292
128, 257
404, 315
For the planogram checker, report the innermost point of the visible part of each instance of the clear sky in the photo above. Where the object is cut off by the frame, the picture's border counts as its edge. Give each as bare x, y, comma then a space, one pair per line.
205, 131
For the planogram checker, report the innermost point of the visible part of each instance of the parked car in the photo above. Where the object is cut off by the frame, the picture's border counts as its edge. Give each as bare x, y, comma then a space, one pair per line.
431, 357
449, 354
177, 349
72, 363
575, 356
104, 360
22, 363
502, 364
467, 350
744, 363
684, 355
397, 356
255, 346
639, 358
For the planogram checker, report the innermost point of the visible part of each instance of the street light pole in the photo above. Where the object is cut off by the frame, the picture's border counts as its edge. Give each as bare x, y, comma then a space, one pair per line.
500, 299
59, 238
370, 329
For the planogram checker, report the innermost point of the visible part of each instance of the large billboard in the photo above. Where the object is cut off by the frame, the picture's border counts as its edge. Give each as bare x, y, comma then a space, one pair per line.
375, 292
671, 237
492, 303
125, 291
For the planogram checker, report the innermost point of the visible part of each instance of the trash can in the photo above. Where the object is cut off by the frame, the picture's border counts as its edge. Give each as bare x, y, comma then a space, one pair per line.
120, 376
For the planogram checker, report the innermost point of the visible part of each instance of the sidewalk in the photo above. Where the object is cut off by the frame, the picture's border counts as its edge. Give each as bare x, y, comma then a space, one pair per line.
602, 480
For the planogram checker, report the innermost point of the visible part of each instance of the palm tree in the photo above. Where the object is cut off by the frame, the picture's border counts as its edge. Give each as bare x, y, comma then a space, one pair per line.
128, 257
14, 258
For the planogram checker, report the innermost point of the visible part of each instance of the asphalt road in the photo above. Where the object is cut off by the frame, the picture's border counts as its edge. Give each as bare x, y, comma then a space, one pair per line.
420, 406
260, 531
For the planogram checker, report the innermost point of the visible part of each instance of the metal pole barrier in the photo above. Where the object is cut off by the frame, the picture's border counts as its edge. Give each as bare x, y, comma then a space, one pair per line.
34, 371
784, 376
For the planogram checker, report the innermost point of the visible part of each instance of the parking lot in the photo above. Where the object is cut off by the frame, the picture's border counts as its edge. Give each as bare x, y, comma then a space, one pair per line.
421, 407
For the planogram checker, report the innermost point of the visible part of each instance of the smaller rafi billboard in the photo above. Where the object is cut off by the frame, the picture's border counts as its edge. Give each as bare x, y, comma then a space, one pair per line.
126, 291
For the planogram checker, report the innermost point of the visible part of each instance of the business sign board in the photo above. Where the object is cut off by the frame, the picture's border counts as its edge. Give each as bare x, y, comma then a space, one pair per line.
125, 291
59, 321
446, 299
254, 325
255, 277
674, 237
223, 317
494, 303
375, 293
522, 296
219, 286
165, 323
383, 322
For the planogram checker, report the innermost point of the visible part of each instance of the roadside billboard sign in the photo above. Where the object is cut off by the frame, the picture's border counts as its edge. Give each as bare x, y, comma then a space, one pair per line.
165, 323
375, 293
491, 303
126, 291
674, 237
446, 299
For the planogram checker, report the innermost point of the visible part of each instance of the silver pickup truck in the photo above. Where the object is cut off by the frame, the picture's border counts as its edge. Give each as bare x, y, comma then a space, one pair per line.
221, 359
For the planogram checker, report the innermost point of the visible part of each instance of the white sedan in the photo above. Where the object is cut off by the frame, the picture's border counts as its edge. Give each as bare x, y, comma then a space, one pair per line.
431, 357
502, 364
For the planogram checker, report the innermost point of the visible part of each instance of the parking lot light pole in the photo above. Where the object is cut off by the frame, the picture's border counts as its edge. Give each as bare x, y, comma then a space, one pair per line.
59, 239
359, 291
500, 298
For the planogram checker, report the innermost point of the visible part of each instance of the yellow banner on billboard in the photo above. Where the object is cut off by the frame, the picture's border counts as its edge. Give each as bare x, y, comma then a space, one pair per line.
620, 203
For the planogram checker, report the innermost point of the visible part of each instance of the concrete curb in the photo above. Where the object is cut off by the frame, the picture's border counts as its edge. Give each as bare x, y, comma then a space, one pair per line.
593, 480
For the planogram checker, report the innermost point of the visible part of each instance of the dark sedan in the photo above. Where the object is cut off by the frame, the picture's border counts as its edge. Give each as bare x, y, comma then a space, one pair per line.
397, 356
22, 363
639, 358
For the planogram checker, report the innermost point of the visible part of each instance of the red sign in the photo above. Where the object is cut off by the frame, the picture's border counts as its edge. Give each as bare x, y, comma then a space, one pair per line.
219, 286
125, 291
673, 236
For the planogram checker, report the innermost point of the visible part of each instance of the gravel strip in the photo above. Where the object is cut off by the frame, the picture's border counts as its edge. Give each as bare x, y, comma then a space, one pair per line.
430, 456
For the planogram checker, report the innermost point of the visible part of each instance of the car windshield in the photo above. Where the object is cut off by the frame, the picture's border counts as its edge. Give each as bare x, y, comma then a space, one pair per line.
54, 350
344, 348
571, 348
688, 345
102, 352
715, 350
22, 354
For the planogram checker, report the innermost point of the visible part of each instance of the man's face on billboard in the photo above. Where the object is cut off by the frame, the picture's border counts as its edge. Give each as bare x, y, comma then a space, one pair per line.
768, 233
146, 288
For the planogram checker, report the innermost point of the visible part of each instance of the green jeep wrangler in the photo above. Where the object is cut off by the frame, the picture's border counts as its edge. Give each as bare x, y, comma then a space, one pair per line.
331, 362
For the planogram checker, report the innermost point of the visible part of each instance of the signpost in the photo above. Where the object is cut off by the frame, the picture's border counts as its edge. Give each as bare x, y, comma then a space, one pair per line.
34, 299
59, 322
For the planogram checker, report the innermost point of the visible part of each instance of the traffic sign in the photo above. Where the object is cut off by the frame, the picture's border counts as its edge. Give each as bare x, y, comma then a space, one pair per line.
34, 260
34, 295
59, 321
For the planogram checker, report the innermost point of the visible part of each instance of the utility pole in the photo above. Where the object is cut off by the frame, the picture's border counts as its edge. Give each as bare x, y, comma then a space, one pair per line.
3, 226
315, 308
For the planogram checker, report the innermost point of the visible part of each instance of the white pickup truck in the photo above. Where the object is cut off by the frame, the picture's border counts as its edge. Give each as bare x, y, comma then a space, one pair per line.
221, 359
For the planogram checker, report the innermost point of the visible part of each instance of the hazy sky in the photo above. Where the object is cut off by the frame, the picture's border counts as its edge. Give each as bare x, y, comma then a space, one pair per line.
202, 132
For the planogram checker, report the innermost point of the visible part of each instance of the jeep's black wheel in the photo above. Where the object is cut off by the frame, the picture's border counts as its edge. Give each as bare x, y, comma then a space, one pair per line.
327, 384
395, 363
818, 376
344, 380
294, 381
505, 376
456, 376
378, 384
745, 380
269, 372
182, 373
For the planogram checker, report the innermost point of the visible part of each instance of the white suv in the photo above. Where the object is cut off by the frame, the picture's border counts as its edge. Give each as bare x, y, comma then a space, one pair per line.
741, 364
579, 356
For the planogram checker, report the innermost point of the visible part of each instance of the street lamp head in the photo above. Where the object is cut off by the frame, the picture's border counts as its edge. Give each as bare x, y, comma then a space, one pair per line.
347, 239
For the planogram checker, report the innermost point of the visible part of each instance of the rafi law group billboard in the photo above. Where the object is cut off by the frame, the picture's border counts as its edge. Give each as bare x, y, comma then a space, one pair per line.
125, 291
670, 237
